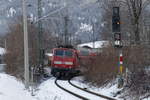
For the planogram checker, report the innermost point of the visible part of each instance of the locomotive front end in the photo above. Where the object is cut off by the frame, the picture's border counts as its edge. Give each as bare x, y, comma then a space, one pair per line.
64, 62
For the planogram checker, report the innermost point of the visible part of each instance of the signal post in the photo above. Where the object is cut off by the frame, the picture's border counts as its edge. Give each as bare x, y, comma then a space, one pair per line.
116, 29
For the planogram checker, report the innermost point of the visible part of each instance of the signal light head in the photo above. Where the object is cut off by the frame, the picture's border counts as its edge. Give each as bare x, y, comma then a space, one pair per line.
118, 23
116, 20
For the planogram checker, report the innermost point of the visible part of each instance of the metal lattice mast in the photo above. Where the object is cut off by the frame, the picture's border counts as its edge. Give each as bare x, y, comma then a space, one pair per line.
66, 30
40, 34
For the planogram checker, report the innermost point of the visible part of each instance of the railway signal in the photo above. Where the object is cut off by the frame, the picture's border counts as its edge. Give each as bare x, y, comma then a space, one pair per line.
117, 40
121, 63
116, 20
116, 29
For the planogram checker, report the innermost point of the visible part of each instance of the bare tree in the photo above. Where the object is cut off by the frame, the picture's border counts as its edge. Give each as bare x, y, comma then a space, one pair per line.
131, 12
15, 56
135, 10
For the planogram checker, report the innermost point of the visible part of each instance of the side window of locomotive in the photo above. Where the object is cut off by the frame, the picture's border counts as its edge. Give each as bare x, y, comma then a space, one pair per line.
59, 53
84, 53
68, 53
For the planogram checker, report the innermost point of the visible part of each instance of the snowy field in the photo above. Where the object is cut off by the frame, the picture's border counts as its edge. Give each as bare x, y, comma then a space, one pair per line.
13, 89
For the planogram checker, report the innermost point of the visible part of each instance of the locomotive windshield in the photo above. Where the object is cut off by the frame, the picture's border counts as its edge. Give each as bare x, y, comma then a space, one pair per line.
68, 53
64, 53
59, 53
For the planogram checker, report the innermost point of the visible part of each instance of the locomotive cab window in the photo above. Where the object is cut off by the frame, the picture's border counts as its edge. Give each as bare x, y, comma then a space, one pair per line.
84, 53
68, 53
59, 53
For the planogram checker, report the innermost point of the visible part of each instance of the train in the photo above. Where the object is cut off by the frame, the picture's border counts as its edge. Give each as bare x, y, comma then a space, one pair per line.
65, 61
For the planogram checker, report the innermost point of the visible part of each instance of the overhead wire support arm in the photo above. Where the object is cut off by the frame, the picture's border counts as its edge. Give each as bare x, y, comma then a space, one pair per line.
48, 15
51, 13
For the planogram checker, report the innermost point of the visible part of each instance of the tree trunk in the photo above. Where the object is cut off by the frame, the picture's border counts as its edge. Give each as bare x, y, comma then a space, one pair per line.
137, 34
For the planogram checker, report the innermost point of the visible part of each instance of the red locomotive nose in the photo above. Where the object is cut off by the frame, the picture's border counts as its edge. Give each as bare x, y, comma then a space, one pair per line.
64, 62
64, 58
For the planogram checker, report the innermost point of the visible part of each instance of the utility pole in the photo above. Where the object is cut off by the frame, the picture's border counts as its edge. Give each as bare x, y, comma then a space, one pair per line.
26, 54
40, 35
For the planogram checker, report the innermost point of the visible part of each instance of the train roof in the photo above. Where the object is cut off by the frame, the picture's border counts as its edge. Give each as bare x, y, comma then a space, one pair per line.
66, 46
64, 49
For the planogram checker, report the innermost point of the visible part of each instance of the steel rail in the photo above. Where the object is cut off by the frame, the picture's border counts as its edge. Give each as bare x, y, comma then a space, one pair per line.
74, 94
102, 96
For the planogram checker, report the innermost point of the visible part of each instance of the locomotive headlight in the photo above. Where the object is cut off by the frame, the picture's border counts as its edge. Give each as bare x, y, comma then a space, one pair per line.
69, 63
57, 62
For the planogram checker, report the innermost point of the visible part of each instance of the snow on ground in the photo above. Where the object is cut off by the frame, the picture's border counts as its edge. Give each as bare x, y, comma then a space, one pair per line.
13, 89
80, 92
49, 91
107, 91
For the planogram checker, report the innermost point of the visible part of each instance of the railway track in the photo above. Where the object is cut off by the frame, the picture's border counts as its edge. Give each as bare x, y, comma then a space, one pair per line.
83, 90
76, 95
96, 94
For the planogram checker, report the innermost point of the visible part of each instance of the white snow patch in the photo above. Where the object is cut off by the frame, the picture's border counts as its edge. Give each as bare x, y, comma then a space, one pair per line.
12, 89
107, 91
44, 10
81, 18
49, 91
2, 51
31, 18
49, 54
97, 44
85, 27
50, 4
10, 0
147, 98
11, 13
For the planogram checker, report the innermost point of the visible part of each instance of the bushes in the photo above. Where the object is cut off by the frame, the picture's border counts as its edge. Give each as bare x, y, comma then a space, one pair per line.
103, 68
136, 59
15, 49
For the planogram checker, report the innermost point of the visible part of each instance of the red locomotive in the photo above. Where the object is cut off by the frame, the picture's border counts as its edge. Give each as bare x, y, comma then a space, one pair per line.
64, 61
